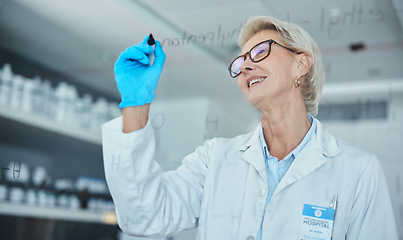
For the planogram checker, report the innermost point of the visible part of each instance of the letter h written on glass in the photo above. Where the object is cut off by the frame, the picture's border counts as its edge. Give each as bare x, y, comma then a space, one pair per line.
16, 170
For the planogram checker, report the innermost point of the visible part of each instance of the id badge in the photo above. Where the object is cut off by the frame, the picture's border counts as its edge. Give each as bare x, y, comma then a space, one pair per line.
317, 223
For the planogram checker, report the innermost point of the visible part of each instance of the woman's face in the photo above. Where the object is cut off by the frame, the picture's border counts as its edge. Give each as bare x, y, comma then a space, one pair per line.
275, 74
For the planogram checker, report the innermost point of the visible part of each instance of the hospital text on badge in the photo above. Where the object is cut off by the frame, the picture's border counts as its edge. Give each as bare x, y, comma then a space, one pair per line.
317, 223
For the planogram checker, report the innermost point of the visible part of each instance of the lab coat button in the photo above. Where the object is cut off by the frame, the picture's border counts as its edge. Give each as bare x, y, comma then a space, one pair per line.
250, 238
263, 192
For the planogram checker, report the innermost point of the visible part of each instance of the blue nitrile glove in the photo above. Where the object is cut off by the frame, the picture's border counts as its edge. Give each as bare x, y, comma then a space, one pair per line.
135, 78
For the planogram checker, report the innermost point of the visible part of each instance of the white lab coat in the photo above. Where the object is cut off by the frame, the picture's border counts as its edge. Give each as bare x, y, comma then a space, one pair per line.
221, 188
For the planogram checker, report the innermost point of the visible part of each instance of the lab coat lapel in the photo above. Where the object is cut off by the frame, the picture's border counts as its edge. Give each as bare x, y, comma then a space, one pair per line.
256, 180
313, 156
253, 153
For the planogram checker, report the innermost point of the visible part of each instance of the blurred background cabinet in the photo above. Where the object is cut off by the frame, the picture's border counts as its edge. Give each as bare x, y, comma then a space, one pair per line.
52, 180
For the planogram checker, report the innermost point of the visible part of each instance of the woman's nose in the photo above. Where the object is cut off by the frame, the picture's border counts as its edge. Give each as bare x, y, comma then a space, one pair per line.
247, 65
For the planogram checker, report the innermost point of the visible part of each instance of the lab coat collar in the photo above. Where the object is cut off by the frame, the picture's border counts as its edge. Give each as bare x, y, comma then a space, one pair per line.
315, 154
253, 153
327, 142
252, 139
312, 156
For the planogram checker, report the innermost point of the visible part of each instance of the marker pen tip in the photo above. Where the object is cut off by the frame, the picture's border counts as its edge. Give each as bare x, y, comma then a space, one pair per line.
151, 40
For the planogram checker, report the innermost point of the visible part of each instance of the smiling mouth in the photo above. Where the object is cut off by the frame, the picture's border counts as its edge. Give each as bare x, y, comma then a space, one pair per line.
257, 80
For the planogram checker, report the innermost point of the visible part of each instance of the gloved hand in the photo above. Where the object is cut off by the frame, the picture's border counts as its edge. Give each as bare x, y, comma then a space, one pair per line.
135, 77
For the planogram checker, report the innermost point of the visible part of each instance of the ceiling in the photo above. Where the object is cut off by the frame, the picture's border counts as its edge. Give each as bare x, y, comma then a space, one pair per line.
83, 38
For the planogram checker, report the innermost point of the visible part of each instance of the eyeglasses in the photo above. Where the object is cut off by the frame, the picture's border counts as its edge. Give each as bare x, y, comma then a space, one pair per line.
256, 54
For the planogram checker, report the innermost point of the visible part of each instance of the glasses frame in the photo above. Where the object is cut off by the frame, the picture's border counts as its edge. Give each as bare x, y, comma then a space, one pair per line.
270, 41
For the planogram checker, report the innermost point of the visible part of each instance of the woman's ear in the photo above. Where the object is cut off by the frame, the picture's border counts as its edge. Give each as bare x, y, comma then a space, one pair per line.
304, 63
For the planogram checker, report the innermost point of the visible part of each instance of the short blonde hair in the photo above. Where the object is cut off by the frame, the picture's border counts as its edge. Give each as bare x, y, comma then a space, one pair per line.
299, 40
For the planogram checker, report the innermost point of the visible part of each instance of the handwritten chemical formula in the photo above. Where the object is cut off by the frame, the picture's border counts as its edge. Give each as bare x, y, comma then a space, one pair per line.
330, 20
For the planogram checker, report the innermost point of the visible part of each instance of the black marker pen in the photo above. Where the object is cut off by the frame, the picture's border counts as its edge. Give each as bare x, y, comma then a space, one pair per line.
151, 42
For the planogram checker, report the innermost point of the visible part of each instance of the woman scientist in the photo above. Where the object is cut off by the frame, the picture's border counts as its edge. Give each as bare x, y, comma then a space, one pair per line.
289, 179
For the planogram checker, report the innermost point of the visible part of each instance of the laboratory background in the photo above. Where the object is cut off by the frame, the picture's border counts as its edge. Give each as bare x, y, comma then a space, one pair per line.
57, 87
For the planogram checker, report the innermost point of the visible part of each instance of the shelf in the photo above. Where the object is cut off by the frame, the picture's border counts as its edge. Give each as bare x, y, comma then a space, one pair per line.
41, 122
57, 213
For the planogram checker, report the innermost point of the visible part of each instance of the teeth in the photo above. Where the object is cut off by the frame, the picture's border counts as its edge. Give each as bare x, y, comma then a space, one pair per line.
256, 81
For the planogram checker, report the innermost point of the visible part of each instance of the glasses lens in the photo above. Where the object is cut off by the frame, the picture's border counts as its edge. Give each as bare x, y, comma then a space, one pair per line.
260, 51
236, 66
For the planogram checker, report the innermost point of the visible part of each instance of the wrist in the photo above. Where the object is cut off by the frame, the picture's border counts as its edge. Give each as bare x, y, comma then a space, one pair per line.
135, 117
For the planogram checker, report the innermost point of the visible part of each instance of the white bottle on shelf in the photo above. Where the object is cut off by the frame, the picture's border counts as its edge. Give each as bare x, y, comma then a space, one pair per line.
38, 97
60, 100
30, 196
74, 200
38, 180
18, 178
6, 77
27, 96
72, 96
16, 91
49, 100
46, 96
86, 112
62, 198
99, 114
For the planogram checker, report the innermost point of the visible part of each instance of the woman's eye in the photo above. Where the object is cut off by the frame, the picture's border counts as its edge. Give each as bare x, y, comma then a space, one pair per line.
260, 52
